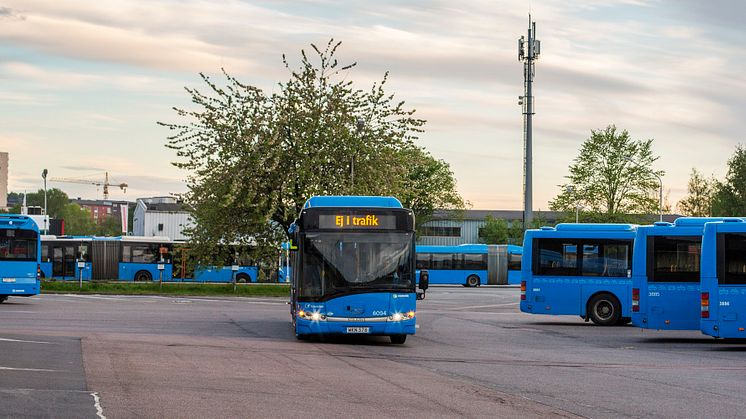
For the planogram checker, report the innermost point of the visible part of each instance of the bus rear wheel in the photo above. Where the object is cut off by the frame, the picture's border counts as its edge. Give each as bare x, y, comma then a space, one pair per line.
398, 339
604, 309
3, 298
243, 278
143, 276
472, 281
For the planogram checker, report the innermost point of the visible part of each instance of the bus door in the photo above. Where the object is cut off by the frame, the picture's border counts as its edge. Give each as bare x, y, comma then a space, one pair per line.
63, 261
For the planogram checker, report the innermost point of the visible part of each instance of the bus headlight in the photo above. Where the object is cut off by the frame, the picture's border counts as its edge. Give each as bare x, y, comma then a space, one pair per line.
313, 316
397, 317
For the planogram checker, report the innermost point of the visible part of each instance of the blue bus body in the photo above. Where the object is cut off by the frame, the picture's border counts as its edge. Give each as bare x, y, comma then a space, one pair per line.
666, 274
471, 265
20, 256
225, 274
723, 281
61, 257
578, 269
353, 272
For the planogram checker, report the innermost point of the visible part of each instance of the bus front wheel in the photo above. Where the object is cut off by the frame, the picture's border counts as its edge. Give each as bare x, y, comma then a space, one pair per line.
3, 298
398, 339
242, 278
472, 281
604, 309
143, 276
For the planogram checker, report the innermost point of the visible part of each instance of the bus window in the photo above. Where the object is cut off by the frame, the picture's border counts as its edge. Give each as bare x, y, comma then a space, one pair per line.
423, 260
19, 245
475, 262
734, 259
442, 260
514, 262
674, 259
606, 259
556, 257
126, 253
144, 253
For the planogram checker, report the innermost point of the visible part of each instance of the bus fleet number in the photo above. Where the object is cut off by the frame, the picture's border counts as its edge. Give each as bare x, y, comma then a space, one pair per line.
654, 294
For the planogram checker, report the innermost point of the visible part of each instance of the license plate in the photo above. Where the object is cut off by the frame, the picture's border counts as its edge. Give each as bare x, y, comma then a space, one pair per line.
9, 280
358, 330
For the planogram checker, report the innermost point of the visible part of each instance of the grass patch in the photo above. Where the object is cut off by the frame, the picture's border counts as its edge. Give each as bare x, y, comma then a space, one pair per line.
169, 288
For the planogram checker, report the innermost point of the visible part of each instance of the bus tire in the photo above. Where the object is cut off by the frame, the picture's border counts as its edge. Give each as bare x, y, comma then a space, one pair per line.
243, 278
472, 281
604, 309
3, 298
398, 339
143, 276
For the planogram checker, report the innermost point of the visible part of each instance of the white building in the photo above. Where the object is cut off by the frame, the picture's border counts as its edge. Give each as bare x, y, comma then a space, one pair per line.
160, 216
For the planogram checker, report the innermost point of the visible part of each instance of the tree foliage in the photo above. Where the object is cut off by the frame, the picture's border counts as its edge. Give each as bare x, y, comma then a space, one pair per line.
254, 158
730, 195
499, 231
603, 182
78, 221
698, 202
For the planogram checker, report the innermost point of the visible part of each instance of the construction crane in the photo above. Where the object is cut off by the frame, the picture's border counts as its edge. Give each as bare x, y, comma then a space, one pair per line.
105, 183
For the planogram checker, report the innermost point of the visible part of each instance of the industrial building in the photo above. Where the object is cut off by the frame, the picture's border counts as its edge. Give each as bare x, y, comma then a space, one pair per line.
161, 216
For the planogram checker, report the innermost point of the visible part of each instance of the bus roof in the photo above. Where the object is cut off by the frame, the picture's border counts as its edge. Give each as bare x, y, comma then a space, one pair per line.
595, 227
699, 221
353, 201
466, 248
15, 221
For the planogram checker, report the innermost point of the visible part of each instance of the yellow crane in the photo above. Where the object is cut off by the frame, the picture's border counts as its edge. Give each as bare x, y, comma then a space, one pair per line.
105, 183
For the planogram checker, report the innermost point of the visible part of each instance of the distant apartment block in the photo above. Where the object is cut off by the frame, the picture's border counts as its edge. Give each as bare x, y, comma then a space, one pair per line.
161, 216
102, 209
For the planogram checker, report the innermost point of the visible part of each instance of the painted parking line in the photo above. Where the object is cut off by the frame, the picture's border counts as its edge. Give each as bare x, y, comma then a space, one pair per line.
2, 368
97, 405
488, 306
25, 341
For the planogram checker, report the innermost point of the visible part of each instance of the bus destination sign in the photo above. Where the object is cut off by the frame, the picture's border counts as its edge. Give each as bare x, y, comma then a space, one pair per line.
358, 221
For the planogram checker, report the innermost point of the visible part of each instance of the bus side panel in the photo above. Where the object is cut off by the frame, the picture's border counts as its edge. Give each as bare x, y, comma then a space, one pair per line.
619, 287
127, 271
46, 269
728, 311
552, 295
671, 306
514, 277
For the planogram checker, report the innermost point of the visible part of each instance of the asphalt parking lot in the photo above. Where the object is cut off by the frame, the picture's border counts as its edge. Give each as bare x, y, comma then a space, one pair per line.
474, 355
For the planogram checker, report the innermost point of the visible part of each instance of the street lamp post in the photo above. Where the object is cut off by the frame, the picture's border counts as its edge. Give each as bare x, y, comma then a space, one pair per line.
660, 181
359, 124
571, 189
44, 176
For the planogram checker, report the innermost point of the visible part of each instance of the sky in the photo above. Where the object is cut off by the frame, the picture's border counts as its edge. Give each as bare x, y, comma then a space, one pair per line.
82, 83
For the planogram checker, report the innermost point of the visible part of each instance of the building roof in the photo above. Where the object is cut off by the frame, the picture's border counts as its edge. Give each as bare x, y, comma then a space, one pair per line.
480, 215
165, 207
100, 202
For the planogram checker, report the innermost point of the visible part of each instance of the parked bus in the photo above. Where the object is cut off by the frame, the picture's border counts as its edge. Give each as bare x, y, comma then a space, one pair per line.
666, 274
723, 279
20, 256
188, 269
579, 269
66, 257
353, 268
471, 265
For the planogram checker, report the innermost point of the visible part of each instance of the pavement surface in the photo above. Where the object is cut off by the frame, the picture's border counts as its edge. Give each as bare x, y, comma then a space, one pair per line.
474, 355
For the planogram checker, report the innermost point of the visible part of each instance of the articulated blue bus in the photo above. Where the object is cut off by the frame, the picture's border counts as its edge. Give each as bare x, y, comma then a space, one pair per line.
66, 257
471, 265
666, 274
20, 256
723, 280
579, 269
226, 273
353, 268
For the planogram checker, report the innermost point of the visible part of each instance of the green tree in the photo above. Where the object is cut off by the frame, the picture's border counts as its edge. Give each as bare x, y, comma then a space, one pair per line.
730, 195
78, 220
254, 158
56, 201
495, 231
698, 202
606, 183
110, 226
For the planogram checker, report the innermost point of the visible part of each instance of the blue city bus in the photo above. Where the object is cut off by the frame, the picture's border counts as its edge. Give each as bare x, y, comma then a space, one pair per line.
66, 258
143, 258
579, 269
353, 268
471, 265
666, 274
188, 269
20, 256
225, 273
723, 279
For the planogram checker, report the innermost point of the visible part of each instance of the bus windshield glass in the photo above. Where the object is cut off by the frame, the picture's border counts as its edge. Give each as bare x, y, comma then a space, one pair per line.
18, 245
336, 262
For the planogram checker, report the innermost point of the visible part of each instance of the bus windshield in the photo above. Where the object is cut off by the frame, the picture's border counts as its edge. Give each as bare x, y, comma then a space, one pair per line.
18, 245
336, 262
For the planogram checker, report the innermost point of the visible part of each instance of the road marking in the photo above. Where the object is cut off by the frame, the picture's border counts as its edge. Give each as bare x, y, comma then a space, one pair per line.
488, 306
20, 311
25, 341
97, 405
26, 369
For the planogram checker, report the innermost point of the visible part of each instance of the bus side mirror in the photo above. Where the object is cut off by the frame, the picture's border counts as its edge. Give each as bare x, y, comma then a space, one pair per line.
424, 279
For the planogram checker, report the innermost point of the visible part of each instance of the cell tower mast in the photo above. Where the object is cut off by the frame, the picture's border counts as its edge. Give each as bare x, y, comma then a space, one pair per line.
528, 53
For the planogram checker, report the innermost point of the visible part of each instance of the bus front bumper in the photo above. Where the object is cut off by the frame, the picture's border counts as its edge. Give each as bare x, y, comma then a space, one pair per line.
19, 286
325, 327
